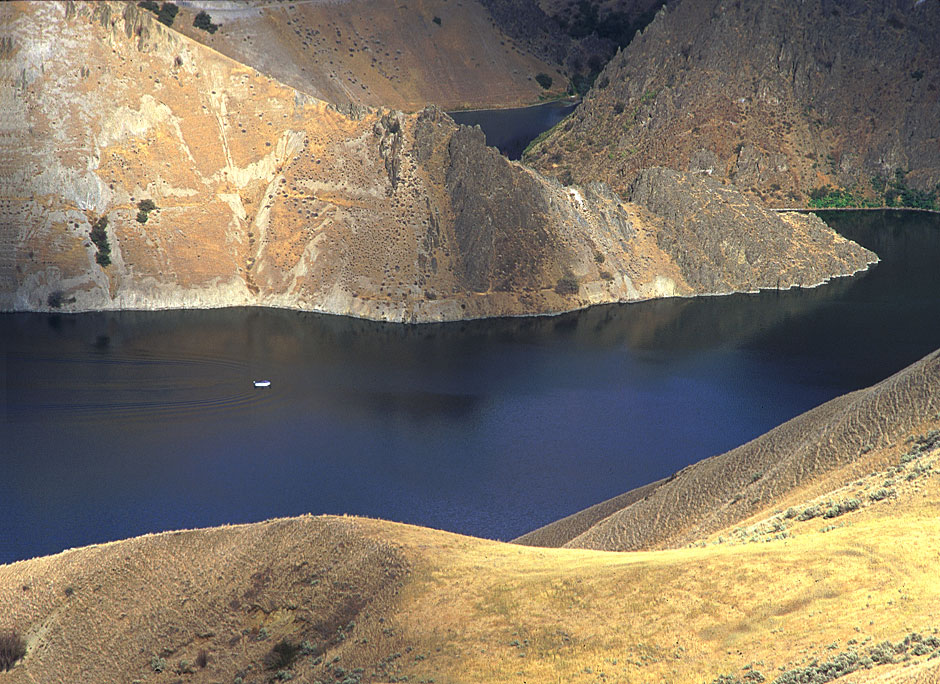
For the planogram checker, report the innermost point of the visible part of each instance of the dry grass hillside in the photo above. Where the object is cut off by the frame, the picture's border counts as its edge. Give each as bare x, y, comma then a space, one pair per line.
826, 448
379, 53
833, 580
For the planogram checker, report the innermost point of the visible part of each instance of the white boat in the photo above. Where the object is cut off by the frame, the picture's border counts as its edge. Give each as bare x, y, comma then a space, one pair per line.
262, 383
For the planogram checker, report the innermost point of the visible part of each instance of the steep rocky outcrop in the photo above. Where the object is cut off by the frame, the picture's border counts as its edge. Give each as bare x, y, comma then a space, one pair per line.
723, 242
778, 97
721, 491
147, 171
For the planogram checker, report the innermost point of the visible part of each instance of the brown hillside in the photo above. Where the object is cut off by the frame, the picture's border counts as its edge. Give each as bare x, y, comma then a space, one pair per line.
262, 195
380, 53
724, 490
778, 97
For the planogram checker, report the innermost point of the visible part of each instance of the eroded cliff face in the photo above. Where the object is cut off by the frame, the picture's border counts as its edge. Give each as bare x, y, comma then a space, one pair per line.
265, 196
777, 97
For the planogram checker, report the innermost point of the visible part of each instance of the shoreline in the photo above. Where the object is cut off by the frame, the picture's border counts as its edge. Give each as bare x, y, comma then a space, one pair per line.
810, 210
567, 99
415, 323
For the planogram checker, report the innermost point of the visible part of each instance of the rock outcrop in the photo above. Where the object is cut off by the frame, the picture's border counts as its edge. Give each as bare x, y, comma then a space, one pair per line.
723, 242
143, 170
779, 97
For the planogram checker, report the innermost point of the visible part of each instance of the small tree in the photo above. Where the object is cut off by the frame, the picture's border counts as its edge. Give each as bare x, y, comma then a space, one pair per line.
544, 80
145, 206
167, 13
204, 21
99, 236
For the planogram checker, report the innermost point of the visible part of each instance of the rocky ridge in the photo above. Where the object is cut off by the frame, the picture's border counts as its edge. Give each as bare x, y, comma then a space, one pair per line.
827, 444
264, 196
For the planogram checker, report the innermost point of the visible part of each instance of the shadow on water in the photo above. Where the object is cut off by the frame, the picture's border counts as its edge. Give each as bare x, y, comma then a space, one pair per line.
116, 424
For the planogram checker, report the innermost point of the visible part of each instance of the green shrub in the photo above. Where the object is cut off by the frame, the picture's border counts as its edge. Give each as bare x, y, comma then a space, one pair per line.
167, 13
158, 664
144, 207
819, 673
99, 236
842, 507
544, 80
809, 513
880, 494
203, 21
437, 20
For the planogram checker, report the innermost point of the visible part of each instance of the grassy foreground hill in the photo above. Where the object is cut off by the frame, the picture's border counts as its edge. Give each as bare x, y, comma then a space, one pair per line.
807, 588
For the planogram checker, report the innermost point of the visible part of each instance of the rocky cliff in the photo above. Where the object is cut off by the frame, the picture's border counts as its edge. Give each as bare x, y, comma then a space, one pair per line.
778, 97
144, 170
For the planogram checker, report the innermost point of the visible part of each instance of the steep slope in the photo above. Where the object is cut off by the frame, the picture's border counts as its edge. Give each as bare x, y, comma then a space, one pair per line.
150, 172
399, 55
828, 444
779, 97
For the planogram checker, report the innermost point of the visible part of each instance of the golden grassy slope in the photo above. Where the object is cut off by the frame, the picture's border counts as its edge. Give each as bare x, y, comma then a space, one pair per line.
433, 605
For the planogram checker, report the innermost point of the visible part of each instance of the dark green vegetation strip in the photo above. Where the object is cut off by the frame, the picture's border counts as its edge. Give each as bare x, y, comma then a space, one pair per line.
895, 193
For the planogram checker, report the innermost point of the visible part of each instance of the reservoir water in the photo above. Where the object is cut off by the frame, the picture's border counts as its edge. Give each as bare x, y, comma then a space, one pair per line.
511, 130
117, 424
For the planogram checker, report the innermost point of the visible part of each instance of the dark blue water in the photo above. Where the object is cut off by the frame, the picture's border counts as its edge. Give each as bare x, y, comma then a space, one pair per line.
116, 424
510, 130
